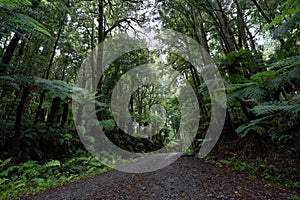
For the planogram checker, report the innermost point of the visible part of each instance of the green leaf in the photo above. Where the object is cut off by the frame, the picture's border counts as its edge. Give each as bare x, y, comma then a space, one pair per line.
15, 3
3, 180
52, 163
108, 125
263, 76
38, 26
5, 162
233, 87
26, 20
274, 108
253, 125
290, 7
38, 180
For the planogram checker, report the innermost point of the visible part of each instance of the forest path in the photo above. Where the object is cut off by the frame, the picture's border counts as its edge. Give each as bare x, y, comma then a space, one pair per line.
187, 178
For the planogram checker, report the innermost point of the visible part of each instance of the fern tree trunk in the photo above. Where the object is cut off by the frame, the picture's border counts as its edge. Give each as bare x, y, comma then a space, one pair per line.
38, 112
17, 127
65, 113
9, 53
55, 106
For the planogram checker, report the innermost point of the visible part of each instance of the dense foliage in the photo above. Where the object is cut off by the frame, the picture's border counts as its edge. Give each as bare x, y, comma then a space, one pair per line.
254, 43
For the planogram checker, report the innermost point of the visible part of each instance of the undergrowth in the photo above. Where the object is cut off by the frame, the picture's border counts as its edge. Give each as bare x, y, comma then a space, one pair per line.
260, 168
31, 177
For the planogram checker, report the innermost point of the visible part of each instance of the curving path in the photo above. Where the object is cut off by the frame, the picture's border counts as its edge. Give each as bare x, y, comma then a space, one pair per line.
187, 178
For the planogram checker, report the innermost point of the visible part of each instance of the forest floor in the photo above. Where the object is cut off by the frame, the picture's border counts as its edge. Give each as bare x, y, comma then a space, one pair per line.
187, 178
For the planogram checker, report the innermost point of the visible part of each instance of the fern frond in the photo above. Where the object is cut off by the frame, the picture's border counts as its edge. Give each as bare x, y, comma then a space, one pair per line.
235, 78
52, 163
288, 62
253, 125
15, 3
4, 163
238, 86
291, 7
284, 79
271, 108
254, 92
263, 76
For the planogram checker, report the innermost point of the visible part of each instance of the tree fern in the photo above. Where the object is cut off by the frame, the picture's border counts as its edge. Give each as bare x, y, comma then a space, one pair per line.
263, 76
254, 125
52, 163
236, 78
56, 87
252, 92
290, 7
283, 79
4, 163
15, 3
238, 86
13, 19
292, 106
9, 81
287, 62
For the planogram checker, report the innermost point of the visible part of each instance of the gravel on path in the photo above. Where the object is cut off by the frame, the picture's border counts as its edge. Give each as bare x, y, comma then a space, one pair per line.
187, 178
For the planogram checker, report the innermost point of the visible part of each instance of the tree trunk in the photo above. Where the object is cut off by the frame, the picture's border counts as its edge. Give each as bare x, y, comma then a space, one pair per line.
251, 37
263, 14
12, 47
9, 53
100, 40
38, 112
241, 27
55, 106
202, 32
226, 32
65, 113
203, 38
17, 127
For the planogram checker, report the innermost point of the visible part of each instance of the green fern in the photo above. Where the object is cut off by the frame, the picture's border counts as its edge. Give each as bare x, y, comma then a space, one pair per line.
291, 7
11, 17
238, 86
52, 163
263, 76
252, 92
268, 109
4, 163
254, 125
26, 20
56, 87
235, 78
15, 3
285, 63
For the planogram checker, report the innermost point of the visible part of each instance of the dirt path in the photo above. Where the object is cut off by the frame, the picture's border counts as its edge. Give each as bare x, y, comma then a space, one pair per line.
187, 178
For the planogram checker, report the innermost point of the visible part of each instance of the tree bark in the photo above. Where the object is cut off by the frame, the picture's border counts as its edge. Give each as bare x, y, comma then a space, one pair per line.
203, 38
9, 53
261, 11
241, 24
38, 112
202, 33
250, 36
65, 113
55, 106
17, 127
12, 46
226, 32
100, 40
